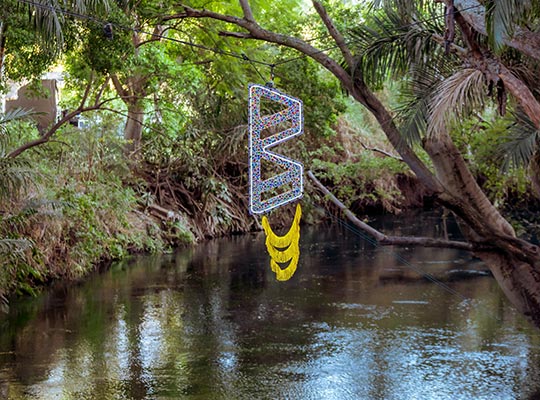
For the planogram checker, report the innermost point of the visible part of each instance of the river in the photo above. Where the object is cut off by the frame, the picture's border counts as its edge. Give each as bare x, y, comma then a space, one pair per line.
356, 321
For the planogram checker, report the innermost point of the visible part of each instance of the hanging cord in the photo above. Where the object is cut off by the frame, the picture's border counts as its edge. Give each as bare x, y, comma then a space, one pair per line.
270, 83
220, 51
246, 58
404, 261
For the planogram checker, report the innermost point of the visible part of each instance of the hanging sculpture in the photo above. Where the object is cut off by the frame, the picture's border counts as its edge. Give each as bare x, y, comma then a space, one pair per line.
282, 249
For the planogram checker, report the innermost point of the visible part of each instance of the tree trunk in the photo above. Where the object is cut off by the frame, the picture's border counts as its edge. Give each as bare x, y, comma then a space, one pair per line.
3, 27
519, 280
514, 263
133, 128
534, 173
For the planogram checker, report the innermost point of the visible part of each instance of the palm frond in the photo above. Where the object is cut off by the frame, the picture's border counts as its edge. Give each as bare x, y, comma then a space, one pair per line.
520, 144
48, 17
15, 175
455, 98
17, 114
387, 46
415, 97
502, 17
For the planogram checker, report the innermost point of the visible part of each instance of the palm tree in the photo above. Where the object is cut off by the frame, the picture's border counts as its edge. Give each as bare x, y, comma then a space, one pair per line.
15, 174
442, 87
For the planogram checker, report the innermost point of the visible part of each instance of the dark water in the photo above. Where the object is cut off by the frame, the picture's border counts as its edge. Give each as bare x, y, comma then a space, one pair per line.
212, 323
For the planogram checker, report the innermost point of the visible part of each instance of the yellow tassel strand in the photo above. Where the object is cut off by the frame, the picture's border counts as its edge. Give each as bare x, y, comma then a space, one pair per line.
284, 249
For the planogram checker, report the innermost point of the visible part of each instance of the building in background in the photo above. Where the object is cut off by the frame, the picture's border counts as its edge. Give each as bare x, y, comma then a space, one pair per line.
44, 102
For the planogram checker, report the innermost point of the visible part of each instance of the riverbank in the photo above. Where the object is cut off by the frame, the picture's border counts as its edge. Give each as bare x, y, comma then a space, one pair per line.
68, 225
73, 211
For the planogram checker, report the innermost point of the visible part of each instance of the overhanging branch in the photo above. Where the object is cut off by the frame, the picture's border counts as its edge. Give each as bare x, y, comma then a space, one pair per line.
385, 240
336, 35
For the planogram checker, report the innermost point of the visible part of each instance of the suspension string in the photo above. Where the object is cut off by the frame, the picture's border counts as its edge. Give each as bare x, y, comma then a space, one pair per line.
246, 58
220, 51
270, 83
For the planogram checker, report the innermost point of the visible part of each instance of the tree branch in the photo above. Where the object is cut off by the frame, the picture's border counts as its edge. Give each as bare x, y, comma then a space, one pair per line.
381, 151
238, 35
356, 87
257, 32
385, 240
47, 136
101, 90
521, 93
523, 40
157, 34
122, 92
336, 35
246, 9
452, 47
65, 119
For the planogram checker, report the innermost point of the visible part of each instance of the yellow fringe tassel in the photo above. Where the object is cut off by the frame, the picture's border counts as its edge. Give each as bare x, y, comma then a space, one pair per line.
283, 249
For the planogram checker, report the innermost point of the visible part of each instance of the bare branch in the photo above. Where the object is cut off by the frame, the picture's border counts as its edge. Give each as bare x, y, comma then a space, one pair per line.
193, 13
336, 35
101, 90
246, 9
238, 35
64, 120
157, 35
452, 47
381, 151
47, 136
383, 239
122, 92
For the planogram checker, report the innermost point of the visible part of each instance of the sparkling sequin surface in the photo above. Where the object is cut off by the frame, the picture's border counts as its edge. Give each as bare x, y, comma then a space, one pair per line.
259, 149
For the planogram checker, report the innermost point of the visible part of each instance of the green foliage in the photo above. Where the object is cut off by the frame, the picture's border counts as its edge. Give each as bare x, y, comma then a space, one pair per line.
95, 222
24, 56
388, 44
94, 215
192, 162
36, 35
109, 55
367, 181
484, 141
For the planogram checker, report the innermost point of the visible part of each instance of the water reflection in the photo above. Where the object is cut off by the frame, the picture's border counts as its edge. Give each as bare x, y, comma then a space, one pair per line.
212, 323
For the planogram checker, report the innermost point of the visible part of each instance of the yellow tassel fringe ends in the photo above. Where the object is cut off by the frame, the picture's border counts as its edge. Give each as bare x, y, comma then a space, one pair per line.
283, 249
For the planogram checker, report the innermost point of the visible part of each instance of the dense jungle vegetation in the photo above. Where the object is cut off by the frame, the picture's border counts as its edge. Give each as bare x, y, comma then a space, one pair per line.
162, 158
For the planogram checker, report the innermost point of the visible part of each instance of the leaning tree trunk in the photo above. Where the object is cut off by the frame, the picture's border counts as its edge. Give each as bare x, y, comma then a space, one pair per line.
133, 128
514, 263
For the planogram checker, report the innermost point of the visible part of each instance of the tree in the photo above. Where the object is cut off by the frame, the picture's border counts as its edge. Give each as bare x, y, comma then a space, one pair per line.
514, 262
36, 31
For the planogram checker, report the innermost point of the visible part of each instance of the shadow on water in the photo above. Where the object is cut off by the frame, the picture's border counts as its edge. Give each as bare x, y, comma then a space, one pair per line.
355, 322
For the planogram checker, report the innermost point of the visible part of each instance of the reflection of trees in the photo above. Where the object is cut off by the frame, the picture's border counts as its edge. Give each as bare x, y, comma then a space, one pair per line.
212, 321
